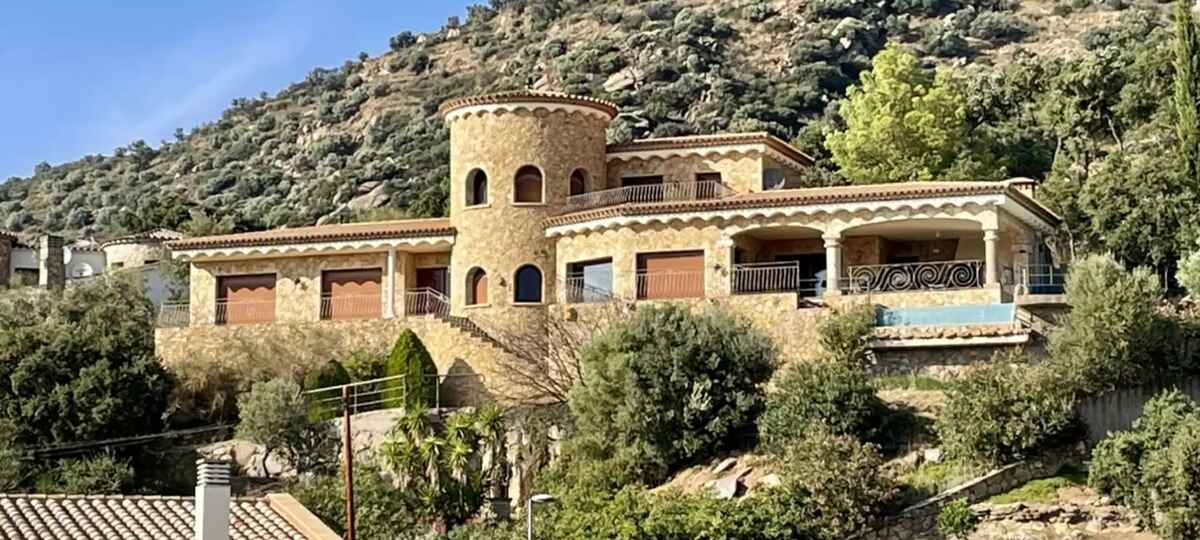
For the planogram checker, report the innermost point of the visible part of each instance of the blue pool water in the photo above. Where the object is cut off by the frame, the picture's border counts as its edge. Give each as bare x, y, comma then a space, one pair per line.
947, 315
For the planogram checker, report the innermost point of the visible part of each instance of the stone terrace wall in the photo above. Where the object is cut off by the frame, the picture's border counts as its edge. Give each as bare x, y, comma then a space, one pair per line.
919, 521
299, 347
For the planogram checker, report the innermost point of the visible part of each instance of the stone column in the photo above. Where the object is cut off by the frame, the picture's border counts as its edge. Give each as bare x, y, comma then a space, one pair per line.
389, 300
52, 271
721, 274
833, 262
991, 266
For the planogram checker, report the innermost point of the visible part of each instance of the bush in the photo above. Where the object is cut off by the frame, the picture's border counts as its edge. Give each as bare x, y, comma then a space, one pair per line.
1003, 413
956, 521
329, 374
668, 387
1188, 274
845, 336
418, 387
274, 415
837, 396
381, 511
365, 366
999, 28
98, 475
1109, 337
841, 480
1116, 468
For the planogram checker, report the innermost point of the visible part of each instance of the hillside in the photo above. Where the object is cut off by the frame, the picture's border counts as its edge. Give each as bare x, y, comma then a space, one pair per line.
364, 140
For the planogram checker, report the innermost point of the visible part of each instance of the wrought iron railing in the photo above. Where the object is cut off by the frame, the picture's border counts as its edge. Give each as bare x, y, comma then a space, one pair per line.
576, 291
1041, 279
651, 193
245, 312
362, 306
383, 393
770, 277
174, 315
944, 275
426, 301
670, 284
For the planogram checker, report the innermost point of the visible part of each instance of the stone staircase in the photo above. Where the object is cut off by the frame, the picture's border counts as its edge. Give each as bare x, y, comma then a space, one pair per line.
1034, 323
470, 328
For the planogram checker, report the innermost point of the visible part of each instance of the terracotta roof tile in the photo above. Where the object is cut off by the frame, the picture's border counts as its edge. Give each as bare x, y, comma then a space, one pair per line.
157, 235
414, 228
116, 517
5, 235
805, 196
708, 141
527, 96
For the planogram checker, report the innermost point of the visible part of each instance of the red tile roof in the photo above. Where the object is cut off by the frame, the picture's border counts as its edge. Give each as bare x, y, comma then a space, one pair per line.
806, 196
148, 237
710, 141
414, 228
529, 96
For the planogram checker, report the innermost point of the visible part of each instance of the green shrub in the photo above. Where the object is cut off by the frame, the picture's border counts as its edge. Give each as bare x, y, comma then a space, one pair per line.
97, 475
1116, 467
1171, 476
365, 366
668, 387
841, 480
330, 374
845, 336
808, 395
956, 521
1188, 274
1109, 337
274, 415
1003, 413
999, 28
417, 387
381, 511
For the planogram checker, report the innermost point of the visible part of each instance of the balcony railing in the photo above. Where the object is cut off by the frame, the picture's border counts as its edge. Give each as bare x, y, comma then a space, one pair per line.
426, 302
669, 284
774, 277
364, 306
652, 193
945, 275
245, 312
578, 292
1041, 279
177, 315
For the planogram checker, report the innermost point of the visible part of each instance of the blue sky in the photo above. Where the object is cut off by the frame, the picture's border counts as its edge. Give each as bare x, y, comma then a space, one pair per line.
84, 77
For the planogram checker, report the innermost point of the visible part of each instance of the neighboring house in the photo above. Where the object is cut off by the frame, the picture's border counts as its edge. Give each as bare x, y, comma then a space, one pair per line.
543, 213
37, 263
212, 515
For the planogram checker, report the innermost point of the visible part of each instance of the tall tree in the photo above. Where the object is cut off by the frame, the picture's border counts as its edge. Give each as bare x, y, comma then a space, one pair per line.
1187, 89
904, 123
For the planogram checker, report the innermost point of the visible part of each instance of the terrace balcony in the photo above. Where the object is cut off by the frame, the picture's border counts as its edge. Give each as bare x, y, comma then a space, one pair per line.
921, 276
650, 193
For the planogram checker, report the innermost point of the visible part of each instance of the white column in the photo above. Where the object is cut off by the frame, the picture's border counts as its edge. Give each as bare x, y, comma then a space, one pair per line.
833, 262
991, 267
389, 303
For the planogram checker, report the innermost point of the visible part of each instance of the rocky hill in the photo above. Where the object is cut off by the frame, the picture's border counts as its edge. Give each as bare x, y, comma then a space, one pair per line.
364, 141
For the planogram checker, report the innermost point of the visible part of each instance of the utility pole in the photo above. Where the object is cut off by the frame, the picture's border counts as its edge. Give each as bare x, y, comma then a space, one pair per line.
348, 456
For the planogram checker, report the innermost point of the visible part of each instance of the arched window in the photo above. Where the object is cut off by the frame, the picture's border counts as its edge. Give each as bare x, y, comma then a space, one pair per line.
528, 185
477, 188
477, 287
578, 182
529, 285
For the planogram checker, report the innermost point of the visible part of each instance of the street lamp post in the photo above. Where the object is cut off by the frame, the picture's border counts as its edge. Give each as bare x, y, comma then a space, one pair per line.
538, 499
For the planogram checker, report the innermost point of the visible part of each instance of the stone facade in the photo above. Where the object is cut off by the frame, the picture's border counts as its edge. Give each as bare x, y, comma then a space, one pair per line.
741, 172
132, 255
52, 269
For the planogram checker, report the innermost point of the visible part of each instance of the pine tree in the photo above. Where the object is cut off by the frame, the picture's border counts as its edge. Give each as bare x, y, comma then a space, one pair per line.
1187, 89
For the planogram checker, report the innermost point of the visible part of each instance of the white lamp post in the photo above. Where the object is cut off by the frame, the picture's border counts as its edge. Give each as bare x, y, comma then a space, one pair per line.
538, 499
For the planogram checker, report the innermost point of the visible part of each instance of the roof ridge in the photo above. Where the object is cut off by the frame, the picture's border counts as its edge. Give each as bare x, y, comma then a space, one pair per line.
517, 96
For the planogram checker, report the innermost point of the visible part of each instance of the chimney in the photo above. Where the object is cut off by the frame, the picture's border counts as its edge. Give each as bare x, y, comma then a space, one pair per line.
1026, 186
212, 500
52, 272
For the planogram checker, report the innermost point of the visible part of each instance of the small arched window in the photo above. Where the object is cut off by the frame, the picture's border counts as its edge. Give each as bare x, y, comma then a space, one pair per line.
477, 188
528, 185
578, 182
477, 287
529, 285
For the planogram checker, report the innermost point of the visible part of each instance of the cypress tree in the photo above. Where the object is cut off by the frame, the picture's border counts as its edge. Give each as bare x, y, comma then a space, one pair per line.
1187, 90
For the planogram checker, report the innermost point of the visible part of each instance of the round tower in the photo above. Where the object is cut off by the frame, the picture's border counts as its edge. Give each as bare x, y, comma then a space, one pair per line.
515, 158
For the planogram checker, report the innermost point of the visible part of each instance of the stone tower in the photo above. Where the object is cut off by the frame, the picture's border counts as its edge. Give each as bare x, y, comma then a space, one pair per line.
500, 146
7, 241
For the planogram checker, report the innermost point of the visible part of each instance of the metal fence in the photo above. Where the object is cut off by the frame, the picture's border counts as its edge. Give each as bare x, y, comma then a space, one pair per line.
363, 306
1116, 411
944, 275
1041, 279
426, 302
652, 193
379, 394
174, 315
768, 277
247, 312
576, 291
666, 284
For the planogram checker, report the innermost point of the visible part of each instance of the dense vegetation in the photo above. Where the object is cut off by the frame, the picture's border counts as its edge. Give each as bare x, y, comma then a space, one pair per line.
364, 140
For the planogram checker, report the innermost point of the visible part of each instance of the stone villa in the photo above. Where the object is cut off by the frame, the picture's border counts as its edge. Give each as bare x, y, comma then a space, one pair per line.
547, 220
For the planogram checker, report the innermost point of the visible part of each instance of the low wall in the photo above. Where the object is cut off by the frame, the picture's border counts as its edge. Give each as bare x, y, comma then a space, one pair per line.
279, 349
1116, 411
919, 521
